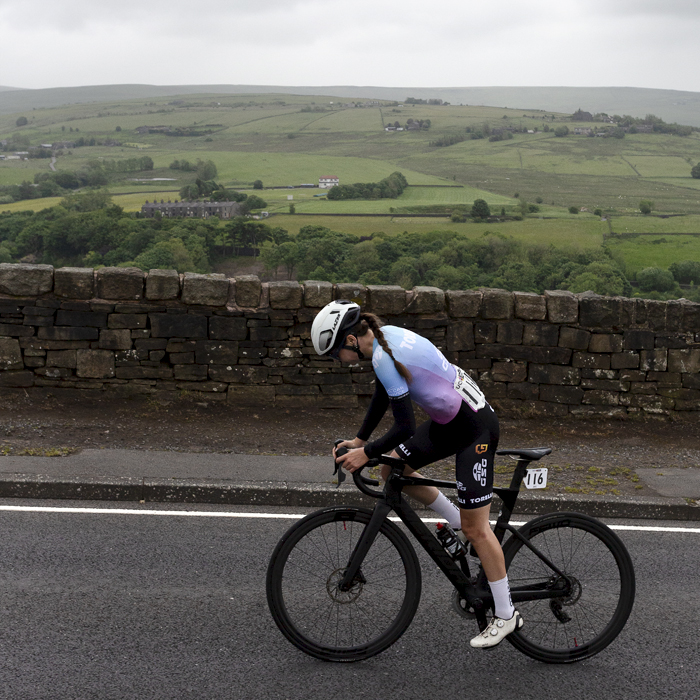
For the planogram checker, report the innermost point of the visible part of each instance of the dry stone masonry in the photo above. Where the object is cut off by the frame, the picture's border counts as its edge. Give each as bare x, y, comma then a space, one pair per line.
247, 342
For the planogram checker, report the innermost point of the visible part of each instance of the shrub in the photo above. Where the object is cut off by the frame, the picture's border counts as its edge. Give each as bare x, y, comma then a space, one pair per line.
685, 271
573, 210
654, 279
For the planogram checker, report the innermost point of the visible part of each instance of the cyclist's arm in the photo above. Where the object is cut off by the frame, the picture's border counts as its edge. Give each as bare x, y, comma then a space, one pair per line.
404, 426
375, 412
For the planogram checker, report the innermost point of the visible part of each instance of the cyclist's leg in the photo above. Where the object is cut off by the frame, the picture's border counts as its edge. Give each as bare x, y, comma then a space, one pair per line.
428, 444
475, 489
476, 528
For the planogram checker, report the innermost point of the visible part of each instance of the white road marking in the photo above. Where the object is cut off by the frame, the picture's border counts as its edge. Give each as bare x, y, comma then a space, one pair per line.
275, 516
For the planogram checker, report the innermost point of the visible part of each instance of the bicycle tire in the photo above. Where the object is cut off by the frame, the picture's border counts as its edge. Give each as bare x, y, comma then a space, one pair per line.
601, 592
314, 614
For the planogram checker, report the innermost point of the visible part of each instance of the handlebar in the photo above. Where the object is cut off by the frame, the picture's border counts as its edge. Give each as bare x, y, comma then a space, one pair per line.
362, 482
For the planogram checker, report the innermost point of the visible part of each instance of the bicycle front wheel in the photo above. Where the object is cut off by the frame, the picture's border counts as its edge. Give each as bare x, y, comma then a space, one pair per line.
599, 585
312, 611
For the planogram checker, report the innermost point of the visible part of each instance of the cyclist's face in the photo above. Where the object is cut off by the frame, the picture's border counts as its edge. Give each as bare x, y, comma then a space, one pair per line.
346, 355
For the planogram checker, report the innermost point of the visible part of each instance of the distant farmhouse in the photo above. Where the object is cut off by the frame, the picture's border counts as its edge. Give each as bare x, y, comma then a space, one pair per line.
328, 181
200, 210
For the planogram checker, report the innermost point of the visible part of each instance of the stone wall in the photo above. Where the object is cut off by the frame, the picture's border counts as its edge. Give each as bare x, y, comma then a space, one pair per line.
120, 330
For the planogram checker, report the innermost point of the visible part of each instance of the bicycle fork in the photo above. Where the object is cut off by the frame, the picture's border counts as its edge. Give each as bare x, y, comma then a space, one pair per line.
379, 515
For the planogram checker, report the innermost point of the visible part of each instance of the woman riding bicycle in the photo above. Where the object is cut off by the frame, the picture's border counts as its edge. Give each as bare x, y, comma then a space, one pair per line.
462, 423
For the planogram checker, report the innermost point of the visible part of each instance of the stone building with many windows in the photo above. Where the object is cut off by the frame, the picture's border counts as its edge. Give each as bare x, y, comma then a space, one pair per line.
200, 210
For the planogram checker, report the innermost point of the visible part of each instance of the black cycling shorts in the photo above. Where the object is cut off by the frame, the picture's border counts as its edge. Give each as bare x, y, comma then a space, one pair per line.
472, 438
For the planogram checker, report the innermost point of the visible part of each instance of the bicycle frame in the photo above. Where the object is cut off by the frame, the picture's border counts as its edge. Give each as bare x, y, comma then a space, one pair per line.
478, 594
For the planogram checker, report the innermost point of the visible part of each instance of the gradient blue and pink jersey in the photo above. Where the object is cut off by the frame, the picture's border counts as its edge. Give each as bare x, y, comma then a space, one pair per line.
432, 387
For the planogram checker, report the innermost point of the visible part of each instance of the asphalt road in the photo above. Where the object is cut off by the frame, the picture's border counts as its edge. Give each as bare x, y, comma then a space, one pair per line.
109, 605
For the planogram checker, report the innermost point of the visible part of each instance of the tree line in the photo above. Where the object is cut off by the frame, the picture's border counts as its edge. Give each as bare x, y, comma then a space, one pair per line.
388, 188
88, 230
450, 260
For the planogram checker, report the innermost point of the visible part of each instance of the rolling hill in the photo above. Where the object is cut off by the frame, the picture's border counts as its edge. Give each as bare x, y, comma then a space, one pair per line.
670, 105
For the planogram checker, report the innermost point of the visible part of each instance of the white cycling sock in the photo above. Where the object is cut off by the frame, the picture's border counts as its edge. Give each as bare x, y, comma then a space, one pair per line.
444, 507
502, 602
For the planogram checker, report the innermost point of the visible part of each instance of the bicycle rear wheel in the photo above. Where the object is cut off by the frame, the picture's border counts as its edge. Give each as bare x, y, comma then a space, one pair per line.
311, 610
599, 582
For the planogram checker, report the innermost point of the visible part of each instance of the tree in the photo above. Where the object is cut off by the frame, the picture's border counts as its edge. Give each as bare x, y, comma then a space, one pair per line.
289, 257
255, 202
292, 209
87, 201
166, 255
645, 206
598, 277
480, 209
206, 170
189, 192
562, 130
573, 210
654, 279
695, 172
258, 185
21, 121
685, 271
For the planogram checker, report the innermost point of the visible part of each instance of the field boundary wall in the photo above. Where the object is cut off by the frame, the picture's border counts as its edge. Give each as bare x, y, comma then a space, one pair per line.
240, 340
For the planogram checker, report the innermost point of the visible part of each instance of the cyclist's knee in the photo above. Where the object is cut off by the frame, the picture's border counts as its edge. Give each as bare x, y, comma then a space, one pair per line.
475, 530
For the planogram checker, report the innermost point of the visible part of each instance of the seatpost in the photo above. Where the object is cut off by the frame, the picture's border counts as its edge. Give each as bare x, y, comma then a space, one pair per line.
508, 497
519, 474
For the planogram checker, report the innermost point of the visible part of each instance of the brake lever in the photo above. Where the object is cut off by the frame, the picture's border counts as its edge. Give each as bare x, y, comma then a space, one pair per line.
338, 468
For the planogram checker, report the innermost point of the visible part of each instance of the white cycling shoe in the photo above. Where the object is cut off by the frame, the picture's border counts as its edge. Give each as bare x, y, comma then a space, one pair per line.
496, 631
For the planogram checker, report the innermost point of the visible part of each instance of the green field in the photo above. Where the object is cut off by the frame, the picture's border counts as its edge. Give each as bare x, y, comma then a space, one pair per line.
31, 204
654, 251
577, 234
288, 140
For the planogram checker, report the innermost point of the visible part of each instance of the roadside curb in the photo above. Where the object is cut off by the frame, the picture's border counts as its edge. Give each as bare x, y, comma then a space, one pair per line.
299, 494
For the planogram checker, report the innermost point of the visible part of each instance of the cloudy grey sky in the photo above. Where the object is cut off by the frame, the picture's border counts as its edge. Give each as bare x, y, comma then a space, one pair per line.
635, 43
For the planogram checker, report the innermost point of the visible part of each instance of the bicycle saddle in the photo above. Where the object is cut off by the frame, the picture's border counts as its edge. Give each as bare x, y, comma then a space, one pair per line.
531, 455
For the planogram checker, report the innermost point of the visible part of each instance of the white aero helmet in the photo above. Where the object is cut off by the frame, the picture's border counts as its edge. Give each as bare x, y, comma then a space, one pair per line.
332, 325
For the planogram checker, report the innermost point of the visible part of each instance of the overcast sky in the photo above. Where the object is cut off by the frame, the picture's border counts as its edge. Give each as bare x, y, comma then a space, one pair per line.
402, 43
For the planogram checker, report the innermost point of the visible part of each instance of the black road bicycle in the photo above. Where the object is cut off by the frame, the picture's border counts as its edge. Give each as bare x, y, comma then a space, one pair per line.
344, 583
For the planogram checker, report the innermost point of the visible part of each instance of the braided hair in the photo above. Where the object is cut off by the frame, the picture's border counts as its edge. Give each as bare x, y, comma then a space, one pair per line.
373, 323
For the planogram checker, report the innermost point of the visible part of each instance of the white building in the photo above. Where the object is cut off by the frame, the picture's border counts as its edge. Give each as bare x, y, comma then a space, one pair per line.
328, 181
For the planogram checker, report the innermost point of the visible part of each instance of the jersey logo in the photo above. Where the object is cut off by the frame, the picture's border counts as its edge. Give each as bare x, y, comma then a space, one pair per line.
480, 472
480, 449
376, 356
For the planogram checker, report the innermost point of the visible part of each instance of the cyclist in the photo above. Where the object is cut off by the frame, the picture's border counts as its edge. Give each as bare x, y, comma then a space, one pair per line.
461, 423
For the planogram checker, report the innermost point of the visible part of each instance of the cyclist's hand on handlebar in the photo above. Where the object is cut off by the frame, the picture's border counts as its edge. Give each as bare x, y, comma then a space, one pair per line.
349, 445
354, 459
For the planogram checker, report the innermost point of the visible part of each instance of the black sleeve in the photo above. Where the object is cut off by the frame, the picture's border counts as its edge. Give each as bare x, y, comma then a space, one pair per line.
404, 426
375, 412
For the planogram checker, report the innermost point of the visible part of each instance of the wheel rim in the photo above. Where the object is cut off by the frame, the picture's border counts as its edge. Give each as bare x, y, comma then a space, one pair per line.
593, 584
323, 614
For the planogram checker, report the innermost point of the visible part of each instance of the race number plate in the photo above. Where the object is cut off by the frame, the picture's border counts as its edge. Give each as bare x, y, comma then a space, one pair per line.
536, 478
